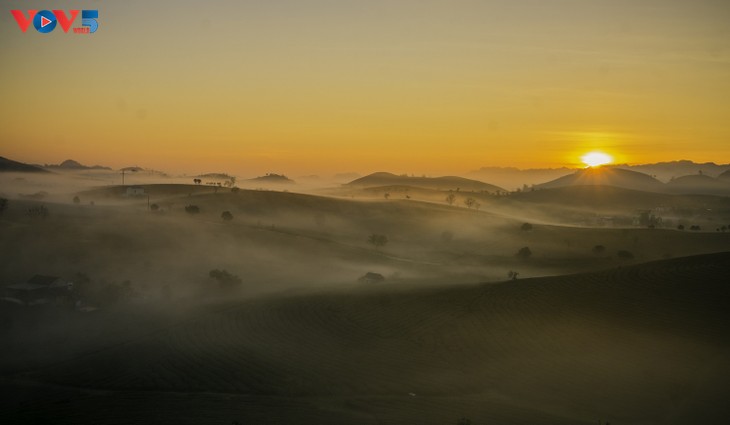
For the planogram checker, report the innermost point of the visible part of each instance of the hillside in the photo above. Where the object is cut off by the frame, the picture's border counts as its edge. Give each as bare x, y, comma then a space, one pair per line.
273, 179
8, 165
606, 176
724, 176
698, 183
437, 183
645, 344
72, 165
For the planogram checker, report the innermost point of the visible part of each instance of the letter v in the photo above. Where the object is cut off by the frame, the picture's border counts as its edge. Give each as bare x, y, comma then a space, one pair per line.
23, 23
61, 18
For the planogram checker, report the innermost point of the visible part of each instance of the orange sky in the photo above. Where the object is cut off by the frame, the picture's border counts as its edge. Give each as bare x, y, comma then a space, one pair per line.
417, 86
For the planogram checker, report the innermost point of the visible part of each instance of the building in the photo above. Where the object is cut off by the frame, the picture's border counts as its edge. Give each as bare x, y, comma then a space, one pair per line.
39, 290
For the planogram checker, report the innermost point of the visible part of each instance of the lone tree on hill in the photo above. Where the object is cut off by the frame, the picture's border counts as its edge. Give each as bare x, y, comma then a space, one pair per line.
450, 199
227, 216
524, 253
378, 240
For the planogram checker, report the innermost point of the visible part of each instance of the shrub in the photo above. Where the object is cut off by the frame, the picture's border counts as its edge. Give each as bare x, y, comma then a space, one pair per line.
524, 252
227, 216
192, 209
377, 240
526, 227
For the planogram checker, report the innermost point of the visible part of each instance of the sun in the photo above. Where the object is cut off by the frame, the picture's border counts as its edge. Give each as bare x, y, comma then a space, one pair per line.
594, 159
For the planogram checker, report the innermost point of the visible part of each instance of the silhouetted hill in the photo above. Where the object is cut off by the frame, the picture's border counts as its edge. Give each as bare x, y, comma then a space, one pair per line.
220, 176
70, 164
724, 176
665, 171
437, 183
607, 176
273, 178
8, 165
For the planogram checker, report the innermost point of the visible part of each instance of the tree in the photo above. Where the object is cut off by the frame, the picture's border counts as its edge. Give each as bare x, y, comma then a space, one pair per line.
77, 200
386, 195
227, 216
235, 190
526, 227
524, 253
469, 202
197, 181
599, 249
154, 207
695, 228
225, 279
450, 199
512, 275
680, 227
377, 240
192, 209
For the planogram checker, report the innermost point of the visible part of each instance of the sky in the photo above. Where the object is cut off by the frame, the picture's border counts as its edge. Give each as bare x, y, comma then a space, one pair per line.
320, 87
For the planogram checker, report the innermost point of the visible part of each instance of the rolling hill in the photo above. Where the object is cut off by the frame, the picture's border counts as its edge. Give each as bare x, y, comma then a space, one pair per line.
698, 183
644, 344
606, 176
437, 183
8, 165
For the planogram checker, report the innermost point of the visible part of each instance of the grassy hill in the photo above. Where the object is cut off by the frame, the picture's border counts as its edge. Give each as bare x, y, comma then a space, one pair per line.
439, 183
644, 344
8, 165
607, 176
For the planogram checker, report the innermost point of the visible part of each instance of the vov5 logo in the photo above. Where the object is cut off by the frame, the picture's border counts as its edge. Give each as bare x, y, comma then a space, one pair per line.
45, 21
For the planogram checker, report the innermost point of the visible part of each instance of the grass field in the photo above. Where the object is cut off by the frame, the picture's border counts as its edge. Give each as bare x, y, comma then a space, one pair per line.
645, 344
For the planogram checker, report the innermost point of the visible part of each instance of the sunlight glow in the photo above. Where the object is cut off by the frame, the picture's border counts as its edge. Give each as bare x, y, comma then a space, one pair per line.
594, 159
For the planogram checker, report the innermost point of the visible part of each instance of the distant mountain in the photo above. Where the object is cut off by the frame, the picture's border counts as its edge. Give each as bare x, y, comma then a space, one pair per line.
8, 165
220, 176
70, 164
607, 176
699, 184
665, 171
513, 178
273, 178
437, 183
